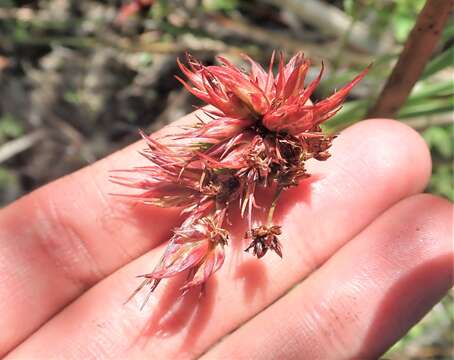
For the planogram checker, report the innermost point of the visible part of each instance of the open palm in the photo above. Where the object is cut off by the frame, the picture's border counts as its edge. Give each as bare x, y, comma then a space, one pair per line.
365, 257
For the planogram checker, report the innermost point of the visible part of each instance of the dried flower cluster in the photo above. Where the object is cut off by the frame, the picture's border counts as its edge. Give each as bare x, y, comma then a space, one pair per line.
262, 129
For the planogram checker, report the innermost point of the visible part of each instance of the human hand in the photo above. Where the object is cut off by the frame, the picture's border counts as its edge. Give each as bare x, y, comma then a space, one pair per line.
364, 258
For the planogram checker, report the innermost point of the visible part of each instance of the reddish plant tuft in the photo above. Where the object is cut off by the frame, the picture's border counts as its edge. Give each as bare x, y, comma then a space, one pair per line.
132, 8
262, 129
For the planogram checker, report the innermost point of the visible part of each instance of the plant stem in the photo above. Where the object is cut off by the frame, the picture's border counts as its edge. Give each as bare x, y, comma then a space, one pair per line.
417, 51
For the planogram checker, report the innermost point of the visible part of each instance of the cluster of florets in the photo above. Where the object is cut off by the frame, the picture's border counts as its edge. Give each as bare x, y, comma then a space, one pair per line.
262, 128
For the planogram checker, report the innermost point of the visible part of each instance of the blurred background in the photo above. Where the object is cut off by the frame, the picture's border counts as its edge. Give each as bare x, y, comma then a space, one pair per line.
79, 78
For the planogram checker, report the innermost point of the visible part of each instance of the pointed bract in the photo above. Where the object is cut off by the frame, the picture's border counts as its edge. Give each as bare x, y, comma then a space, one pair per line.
198, 246
262, 129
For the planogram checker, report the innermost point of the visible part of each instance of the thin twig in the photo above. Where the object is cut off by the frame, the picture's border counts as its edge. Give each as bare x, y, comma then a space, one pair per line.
16, 146
330, 20
417, 51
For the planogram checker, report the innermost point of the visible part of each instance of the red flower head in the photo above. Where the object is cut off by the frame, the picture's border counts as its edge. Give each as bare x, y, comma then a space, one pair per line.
280, 103
263, 129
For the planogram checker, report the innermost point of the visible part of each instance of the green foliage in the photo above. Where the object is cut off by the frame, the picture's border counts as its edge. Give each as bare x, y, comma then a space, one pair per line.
441, 143
399, 15
145, 59
426, 107
448, 32
6, 178
9, 183
432, 96
72, 97
440, 140
220, 5
425, 89
349, 7
441, 182
428, 99
350, 113
10, 128
404, 17
442, 61
159, 10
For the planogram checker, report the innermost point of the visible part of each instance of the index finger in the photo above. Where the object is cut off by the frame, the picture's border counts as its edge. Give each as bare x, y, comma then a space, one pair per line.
64, 237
